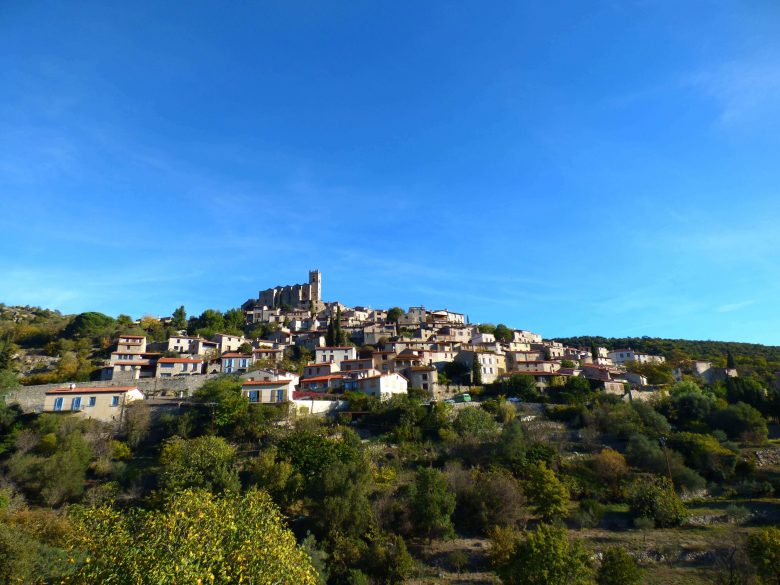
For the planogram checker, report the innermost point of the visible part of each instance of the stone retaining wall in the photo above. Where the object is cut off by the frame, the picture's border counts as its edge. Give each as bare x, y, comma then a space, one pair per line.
30, 398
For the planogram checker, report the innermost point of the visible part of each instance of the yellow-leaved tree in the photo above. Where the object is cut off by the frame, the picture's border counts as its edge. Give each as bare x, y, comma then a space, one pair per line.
196, 538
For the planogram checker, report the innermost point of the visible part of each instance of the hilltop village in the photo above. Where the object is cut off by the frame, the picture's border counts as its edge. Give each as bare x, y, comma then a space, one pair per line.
365, 446
313, 352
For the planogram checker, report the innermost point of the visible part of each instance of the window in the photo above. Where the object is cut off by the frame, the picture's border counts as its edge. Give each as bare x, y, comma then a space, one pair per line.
279, 395
91, 401
253, 396
58, 403
115, 401
75, 403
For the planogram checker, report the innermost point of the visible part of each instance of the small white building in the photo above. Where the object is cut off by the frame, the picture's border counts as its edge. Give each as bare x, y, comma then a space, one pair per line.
227, 343
335, 355
384, 386
621, 356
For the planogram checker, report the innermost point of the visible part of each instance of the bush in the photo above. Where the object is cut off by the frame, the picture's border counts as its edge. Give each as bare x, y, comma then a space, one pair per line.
656, 499
589, 514
196, 538
546, 556
618, 568
741, 421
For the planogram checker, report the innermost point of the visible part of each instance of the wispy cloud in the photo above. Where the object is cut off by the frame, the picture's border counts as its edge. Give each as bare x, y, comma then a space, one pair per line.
745, 90
731, 307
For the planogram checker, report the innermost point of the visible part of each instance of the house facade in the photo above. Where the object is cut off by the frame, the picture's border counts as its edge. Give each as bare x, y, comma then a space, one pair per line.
105, 404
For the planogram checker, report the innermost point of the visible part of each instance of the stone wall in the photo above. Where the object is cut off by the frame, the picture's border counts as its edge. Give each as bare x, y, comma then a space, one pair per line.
30, 398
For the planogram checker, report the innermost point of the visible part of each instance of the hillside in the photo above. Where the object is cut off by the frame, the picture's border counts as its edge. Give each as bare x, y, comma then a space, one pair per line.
751, 358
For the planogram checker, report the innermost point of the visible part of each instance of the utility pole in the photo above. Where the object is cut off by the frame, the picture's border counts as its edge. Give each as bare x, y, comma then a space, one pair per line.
662, 440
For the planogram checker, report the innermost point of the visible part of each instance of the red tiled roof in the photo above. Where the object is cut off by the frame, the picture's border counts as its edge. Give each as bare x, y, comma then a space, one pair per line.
266, 382
322, 378
234, 355
92, 390
129, 363
132, 337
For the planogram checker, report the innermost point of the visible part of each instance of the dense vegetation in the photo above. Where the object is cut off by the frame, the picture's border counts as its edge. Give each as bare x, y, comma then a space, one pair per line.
370, 497
762, 361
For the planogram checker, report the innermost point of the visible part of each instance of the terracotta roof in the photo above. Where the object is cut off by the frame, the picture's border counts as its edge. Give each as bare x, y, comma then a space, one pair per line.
266, 349
265, 382
95, 390
322, 378
234, 355
132, 337
128, 363
171, 360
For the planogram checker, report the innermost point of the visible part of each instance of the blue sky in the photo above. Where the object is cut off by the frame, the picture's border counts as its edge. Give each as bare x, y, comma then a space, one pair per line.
573, 168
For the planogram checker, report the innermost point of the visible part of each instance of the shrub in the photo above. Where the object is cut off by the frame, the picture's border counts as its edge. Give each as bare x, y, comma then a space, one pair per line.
547, 557
618, 568
196, 538
655, 498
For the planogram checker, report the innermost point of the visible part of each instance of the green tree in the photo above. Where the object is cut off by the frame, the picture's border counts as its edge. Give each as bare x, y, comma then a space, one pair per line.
330, 334
433, 503
196, 538
476, 371
549, 497
547, 557
136, 422
503, 333
7, 352
521, 385
342, 493
235, 319
203, 462
741, 421
656, 499
618, 568
394, 314
55, 472
475, 423
89, 325
179, 318
763, 548
220, 404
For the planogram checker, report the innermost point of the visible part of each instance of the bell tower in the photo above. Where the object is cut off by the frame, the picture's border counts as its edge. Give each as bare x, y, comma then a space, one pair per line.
315, 287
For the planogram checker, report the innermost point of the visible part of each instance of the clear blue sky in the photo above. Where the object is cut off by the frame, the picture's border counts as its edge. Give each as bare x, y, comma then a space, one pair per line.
573, 168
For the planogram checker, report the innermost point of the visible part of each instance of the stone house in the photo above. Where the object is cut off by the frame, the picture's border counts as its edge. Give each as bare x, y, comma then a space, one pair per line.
169, 367
104, 404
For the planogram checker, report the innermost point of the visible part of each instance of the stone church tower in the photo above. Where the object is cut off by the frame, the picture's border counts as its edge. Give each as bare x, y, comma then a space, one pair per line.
315, 287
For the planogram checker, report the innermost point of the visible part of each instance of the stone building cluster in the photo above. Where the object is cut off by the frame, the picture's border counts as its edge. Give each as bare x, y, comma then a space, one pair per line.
436, 351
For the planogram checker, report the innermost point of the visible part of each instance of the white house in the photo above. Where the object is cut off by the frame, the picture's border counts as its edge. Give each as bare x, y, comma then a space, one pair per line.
334, 355
383, 386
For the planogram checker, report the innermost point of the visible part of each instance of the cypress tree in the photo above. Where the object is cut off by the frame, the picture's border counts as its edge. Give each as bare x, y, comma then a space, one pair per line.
330, 336
476, 371
730, 364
